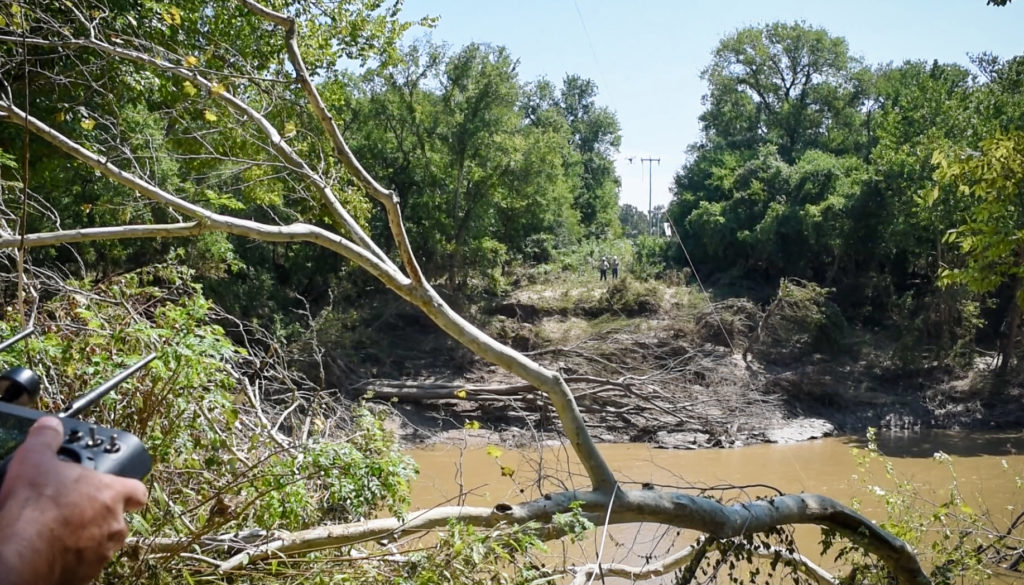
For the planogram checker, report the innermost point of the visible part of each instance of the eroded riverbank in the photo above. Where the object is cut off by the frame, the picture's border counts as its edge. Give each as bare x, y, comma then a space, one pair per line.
675, 373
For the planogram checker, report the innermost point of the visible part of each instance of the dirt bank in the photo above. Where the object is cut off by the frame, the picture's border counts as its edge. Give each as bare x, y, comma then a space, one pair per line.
656, 364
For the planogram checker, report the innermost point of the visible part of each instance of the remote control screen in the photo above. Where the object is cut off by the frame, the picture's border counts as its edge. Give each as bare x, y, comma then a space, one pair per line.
13, 430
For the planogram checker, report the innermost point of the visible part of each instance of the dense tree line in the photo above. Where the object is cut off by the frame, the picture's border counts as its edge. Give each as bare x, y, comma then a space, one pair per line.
816, 165
492, 169
811, 164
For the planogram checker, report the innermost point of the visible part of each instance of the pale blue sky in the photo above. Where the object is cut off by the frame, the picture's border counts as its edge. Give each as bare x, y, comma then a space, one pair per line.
646, 55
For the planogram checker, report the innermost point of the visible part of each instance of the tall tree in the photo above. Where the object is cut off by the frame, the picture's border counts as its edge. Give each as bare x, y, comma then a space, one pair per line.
785, 84
596, 137
634, 222
767, 189
484, 160
990, 234
916, 108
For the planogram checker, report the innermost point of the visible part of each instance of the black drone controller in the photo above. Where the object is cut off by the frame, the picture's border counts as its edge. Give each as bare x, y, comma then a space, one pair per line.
95, 447
106, 450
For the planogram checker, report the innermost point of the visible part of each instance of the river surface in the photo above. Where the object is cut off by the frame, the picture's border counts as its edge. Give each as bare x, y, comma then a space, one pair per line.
984, 468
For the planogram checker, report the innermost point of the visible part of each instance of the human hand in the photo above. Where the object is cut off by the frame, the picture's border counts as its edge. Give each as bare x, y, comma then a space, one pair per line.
60, 522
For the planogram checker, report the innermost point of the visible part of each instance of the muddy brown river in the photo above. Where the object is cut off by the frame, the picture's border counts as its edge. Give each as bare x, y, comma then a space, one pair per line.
985, 468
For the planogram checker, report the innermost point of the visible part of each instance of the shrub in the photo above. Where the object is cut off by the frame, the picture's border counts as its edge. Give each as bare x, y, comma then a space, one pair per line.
959, 544
629, 297
800, 321
203, 409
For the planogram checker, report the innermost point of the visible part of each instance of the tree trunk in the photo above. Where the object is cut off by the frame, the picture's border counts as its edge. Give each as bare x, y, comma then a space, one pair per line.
1008, 343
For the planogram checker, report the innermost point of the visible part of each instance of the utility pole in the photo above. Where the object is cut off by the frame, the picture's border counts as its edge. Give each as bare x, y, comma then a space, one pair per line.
650, 190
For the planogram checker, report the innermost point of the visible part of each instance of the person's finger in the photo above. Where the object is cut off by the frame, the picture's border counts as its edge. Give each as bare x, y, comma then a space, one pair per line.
134, 492
46, 434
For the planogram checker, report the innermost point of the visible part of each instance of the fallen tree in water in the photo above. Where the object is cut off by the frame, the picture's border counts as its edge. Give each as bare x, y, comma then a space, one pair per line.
84, 33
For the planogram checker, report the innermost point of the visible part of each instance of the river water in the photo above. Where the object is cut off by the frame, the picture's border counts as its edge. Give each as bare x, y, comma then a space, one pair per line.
985, 468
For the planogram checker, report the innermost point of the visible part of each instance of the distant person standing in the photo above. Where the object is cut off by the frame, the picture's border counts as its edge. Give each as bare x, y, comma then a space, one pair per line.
603, 266
615, 267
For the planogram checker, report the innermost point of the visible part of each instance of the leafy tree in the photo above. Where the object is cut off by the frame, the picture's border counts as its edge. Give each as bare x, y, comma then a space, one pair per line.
777, 219
990, 234
484, 161
634, 222
916, 107
767, 190
596, 137
789, 85
809, 164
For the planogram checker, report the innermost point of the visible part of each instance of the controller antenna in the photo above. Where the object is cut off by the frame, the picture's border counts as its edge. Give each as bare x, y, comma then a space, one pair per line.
79, 404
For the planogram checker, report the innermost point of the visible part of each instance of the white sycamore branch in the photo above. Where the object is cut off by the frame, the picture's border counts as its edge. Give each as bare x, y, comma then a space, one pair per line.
586, 573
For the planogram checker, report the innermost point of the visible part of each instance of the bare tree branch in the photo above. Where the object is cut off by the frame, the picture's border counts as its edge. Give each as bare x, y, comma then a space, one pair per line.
680, 558
629, 506
341, 150
170, 230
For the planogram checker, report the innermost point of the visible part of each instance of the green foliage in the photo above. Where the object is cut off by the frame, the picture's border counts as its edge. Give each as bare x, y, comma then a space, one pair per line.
628, 296
989, 232
650, 256
772, 218
799, 321
582, 259
991, 183
489, 168
633, 221
466, 555
216, 467
816, 176
573, 523
785, 84
957, 543
938, 327
596, 138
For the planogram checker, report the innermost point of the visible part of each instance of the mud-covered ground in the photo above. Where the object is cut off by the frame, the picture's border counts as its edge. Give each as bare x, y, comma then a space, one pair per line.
672, 371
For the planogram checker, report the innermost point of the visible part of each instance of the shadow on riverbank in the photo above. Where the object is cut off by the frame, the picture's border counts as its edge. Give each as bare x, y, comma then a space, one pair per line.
926, 443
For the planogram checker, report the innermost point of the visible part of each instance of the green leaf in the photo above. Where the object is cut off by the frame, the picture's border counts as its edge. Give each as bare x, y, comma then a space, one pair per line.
171, 16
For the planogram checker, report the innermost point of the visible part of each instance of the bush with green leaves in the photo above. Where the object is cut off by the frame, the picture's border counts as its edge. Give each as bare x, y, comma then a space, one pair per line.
221, 465
960, 544
799, 321
650, 256
472, 556
939, 327
629, 297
